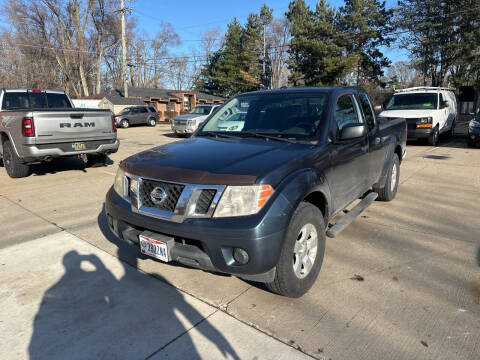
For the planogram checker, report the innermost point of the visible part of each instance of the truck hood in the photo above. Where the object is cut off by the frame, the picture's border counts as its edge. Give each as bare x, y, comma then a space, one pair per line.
189, 117
407, 114
201, 160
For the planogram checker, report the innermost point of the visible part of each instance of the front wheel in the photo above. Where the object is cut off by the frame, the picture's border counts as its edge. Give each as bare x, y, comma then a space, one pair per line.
389, 190
151, 122
302, 254
452, 129
433, 138
125, 124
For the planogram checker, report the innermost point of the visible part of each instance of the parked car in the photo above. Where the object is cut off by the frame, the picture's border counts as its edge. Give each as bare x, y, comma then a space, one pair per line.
186, 124
258, 202
136, 115
39, 125
429, 111
473, 133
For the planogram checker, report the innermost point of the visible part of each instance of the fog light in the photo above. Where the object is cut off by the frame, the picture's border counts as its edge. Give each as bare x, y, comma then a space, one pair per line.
240, 256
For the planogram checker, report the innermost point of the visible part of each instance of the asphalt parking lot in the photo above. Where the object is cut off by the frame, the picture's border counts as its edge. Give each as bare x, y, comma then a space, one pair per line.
402, 282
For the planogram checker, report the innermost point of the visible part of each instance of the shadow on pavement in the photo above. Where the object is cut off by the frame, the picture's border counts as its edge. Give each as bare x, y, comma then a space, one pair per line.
90, 314
65, 164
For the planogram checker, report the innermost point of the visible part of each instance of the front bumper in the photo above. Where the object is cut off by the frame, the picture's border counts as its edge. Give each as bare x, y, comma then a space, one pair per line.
208, 243
419, 133
36, 152
183, 129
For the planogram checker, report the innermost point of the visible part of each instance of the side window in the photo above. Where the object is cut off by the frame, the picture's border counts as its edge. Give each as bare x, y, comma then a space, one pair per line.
345, 112
441, 102
367, 109
152, 109
143, 110
135, 111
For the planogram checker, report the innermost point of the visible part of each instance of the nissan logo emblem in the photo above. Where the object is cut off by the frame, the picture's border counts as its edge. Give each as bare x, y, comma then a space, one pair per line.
158, 195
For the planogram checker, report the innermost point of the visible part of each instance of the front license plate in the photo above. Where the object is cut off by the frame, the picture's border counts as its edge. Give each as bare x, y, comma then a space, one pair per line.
79, 146
154, 248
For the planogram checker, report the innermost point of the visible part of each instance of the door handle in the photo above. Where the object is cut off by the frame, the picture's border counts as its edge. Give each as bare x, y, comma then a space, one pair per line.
377, 141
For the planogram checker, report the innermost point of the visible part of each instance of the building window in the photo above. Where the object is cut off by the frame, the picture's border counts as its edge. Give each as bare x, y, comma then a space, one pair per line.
170, 106
467, 107
186, 102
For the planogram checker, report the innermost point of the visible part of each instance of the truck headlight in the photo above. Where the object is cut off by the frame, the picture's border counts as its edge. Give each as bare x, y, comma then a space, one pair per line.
192, 122
243, 200
425, 120
118, 184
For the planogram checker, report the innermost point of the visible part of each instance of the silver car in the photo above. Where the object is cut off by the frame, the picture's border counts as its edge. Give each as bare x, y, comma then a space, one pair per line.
186, 124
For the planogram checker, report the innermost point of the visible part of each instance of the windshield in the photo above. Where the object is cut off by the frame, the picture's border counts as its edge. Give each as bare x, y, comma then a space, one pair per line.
294, 116
418, 101
35, 100
125, 111
201, 110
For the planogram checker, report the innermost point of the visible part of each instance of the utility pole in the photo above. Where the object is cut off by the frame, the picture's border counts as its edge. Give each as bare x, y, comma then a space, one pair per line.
123, 10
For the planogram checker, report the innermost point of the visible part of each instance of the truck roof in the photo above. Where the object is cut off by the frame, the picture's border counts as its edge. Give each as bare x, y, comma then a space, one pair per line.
52, 91
329, 89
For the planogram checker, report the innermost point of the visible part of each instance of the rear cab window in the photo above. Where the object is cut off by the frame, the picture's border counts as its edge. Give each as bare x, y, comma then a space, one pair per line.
13, 100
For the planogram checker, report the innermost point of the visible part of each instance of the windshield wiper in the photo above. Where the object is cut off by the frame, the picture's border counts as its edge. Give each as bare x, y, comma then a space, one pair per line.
268, 137
216, 134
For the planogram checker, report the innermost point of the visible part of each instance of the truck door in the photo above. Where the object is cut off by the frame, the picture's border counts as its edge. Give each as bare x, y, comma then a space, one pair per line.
377, 149
348, 173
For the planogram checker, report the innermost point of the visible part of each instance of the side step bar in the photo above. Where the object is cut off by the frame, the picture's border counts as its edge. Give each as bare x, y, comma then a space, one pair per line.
344, 221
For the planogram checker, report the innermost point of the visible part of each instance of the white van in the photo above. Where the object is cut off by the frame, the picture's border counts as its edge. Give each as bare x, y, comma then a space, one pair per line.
429, 111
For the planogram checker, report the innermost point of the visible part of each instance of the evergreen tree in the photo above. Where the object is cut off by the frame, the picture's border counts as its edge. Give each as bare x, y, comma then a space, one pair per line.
443, 38
318, 50
365, 25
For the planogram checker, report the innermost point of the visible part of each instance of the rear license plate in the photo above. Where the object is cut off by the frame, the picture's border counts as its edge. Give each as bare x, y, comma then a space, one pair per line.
79, 146
154, 248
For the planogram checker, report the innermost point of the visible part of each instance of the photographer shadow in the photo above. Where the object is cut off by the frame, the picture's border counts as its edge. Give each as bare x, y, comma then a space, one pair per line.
95, 312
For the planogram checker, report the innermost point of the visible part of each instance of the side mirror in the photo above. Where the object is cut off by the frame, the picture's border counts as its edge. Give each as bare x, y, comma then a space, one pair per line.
353, 131
444, 105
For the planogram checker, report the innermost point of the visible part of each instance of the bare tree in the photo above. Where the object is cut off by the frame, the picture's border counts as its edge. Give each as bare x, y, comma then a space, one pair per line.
209, 42
278, 39
404, 74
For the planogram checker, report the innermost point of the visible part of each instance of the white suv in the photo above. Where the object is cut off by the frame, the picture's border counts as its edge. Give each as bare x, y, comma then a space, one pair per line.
429, 111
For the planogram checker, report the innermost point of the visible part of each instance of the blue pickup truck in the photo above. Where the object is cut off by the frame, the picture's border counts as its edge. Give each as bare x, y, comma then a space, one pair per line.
258, 197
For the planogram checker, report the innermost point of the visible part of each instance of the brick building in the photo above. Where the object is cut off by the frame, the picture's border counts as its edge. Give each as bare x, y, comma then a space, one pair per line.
168, 103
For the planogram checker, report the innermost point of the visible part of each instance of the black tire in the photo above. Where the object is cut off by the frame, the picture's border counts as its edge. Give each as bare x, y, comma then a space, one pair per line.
433, 138
151, 122
94, 160
452, 129
13, 165
124, 123
388, 192
286, 282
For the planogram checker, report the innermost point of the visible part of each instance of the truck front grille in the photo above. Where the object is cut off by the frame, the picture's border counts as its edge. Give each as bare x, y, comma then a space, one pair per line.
172, 191
180, 122
204, 201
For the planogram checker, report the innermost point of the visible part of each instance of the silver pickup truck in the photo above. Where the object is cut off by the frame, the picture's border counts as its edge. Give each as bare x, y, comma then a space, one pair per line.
39, 125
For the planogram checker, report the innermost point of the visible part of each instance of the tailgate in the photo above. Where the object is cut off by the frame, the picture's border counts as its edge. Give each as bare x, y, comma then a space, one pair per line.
68, 125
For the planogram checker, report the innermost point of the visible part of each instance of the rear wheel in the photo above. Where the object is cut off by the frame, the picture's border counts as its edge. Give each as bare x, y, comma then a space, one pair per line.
302, 254
96, 159
433, 138
151, 122
452, 129
13, 165
389, 190
125, 123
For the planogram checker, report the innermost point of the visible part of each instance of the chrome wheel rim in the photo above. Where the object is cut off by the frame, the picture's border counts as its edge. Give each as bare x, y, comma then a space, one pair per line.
305, 250
393, 181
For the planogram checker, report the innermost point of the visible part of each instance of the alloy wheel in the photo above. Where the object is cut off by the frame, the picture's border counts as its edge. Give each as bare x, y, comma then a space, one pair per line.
305, 250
